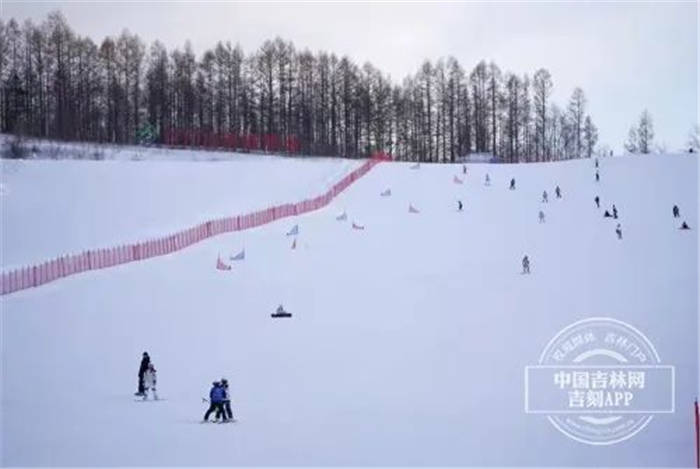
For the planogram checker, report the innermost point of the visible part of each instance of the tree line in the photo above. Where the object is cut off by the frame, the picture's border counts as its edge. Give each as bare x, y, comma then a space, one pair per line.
57, 84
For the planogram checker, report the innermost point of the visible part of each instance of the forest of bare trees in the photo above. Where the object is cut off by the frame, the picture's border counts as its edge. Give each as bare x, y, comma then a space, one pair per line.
56, 84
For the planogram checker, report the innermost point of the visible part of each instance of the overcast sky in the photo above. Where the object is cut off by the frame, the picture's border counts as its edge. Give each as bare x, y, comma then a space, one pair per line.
626, 56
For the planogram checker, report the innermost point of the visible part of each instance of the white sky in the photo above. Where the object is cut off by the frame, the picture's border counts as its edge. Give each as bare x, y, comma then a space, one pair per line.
625, 55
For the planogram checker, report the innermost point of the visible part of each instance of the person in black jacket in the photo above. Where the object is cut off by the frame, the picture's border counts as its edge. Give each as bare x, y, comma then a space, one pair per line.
145, 362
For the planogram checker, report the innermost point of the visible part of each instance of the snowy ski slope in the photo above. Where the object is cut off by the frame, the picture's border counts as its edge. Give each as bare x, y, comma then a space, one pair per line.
408, 338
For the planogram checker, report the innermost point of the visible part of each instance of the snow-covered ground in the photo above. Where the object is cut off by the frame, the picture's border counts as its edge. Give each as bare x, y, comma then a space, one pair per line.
52, 208
408, 341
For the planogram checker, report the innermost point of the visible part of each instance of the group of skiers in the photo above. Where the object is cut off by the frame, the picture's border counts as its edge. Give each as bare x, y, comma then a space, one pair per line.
545, 196
219, 396
219, 402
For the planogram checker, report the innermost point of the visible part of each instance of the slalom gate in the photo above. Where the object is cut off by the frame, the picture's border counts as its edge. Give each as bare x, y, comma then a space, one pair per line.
64, 266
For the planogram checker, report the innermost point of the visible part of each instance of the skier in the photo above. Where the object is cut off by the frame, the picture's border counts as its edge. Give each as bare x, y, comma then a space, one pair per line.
464, 169
597, 176
618, 230
145, 361
607, 214
614, 212
544, 197
216, 399
596, 163
676, 211
459, 205
597, 201
512, 184
526, 265
487, 180
227, 401
558, 192
541, 216
684, 226
149, 382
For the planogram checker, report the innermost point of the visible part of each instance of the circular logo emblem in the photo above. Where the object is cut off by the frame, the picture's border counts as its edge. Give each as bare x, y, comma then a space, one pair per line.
598, 381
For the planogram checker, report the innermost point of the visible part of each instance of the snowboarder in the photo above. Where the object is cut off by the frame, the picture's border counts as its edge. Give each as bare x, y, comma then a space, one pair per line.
526, 265
512, 184
684, 226
487, 180
145, 361
614, 212
280, 312
149, 382
558, 192
618, 230
597, 176
676, 211
597, 201
541, 216
227, 401
459, 205
216, 399
544, 197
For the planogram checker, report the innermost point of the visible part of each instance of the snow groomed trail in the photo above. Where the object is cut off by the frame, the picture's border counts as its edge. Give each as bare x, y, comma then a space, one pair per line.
408, 339
66, 265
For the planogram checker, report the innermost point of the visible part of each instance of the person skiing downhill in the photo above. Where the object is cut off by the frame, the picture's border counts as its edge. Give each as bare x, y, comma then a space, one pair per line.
597, 201
684, 226
512, 184
676, 211
558, 192
526, 265
464, 169
459, 205
614, 211
149, 382
227, 413
487, 180
541, 216
596, 162
597, 176
216, 400
145, 361
544, 197
618, 230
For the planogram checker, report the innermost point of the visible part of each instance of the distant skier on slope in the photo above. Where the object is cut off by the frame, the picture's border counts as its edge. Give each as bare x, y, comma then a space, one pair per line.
512, 184
684, 226
526, 265
544, 197
607, 214
614, 209
676, 211
145, 361
618, 230
216, 400
596, 162
597, 201
149, 382
464, 169
487, 180
459, 205
557, 191
541, 215
597, 176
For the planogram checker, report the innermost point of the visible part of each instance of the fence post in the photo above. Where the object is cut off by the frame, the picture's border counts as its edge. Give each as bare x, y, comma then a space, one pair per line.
697, 435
